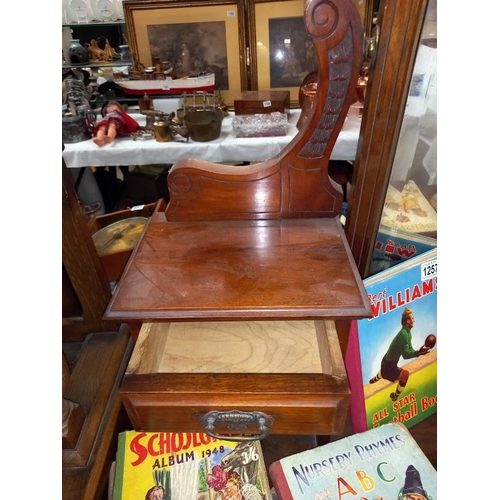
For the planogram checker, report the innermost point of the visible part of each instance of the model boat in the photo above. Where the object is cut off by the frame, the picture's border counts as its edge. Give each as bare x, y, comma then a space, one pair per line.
172, 86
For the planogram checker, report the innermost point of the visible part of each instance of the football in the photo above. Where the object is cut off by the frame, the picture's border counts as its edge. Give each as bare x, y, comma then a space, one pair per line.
430, 341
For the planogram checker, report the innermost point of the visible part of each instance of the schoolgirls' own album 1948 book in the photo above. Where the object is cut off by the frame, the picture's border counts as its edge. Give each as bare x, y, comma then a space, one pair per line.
391, 358
188, 466
384, 463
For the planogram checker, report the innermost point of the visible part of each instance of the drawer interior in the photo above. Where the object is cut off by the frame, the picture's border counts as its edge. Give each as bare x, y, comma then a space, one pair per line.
231, 347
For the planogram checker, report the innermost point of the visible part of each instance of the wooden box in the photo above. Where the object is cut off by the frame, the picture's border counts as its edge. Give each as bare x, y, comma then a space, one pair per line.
291, 371
253, 102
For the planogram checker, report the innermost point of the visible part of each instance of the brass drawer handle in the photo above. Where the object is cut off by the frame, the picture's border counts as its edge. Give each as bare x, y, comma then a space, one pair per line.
236, 420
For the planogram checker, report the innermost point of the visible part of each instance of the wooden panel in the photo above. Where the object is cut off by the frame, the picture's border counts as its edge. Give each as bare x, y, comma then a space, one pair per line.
94, 385
400, 25
242, 347
92, 382
291, 413
82, 266
222, 270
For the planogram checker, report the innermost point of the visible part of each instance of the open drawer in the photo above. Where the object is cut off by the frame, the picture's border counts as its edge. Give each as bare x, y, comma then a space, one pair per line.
245, 378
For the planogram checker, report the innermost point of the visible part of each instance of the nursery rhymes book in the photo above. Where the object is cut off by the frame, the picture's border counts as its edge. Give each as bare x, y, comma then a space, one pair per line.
391, 359
188, 466
381, 463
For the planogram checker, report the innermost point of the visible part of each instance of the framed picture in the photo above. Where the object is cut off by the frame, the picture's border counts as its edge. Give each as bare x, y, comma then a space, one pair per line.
196, 36
281, 51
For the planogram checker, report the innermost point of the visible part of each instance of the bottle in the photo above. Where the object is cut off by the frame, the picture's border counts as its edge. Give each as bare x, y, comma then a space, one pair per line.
145, 103
157, 65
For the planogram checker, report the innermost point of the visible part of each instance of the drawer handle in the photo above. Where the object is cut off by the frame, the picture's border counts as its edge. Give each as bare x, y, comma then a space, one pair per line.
236, 420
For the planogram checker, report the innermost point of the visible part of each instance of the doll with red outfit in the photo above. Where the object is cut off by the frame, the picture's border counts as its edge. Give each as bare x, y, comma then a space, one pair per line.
115, 122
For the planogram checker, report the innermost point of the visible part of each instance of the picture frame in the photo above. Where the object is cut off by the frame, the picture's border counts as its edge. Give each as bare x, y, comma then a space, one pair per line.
280, 54
213, 32
268, 19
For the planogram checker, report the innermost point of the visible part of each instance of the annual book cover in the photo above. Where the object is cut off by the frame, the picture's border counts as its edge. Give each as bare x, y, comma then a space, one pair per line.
391, 358
188, 466
394, 246
385, 463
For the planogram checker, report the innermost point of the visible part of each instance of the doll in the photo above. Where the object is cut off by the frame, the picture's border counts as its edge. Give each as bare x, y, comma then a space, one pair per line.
115, 122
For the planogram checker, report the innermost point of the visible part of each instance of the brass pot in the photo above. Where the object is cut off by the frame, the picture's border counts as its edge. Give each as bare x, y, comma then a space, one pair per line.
203, 126
162, 131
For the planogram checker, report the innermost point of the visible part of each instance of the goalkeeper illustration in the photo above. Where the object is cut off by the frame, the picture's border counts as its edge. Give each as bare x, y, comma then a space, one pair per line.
401, 346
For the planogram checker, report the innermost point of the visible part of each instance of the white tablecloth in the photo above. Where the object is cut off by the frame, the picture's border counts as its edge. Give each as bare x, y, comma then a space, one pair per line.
226, 148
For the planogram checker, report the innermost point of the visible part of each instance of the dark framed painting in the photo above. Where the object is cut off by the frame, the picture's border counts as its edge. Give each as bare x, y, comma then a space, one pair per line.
191, 37
281, 51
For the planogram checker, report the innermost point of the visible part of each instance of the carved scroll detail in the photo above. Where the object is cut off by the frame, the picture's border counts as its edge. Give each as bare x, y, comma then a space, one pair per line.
340, 59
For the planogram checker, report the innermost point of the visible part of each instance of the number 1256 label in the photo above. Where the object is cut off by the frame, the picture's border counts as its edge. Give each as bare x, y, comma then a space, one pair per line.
429, 270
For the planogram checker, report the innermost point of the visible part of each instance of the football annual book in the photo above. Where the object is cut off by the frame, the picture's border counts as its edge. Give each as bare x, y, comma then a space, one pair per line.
382, 463
188, 466
391, 358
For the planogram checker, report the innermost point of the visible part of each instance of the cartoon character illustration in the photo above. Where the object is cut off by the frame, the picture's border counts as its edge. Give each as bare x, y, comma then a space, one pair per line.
155, 493
400, 346
413, 489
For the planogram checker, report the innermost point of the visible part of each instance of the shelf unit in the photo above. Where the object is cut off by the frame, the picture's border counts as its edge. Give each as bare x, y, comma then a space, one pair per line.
114, 31
117, 64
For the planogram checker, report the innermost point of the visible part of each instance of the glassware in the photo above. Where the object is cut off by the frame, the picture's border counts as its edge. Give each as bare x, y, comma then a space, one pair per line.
124, 51
104, 10
82, 11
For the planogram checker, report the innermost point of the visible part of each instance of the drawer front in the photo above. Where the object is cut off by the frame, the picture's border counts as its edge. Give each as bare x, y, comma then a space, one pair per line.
312, 415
